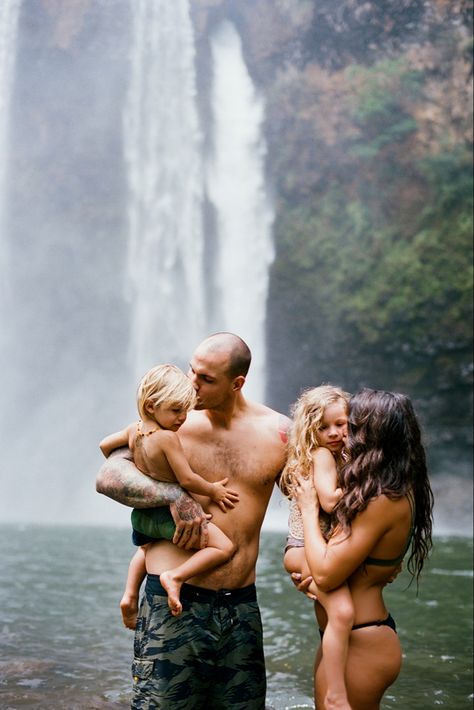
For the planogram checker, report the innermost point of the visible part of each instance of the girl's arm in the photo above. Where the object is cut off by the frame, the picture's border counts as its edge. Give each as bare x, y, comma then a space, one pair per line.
169, 443
118, 440
325, 479
332, 563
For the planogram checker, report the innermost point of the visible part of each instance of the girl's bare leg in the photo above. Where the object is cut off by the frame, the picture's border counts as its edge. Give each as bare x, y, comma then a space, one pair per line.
340, 613
129, 601
294, 560
218, 551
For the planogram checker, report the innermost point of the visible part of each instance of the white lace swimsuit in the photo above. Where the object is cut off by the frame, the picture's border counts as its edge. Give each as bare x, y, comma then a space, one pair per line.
295, 527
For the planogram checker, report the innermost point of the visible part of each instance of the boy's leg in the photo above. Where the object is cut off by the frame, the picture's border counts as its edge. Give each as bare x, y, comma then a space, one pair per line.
218, 551
340, 612
129, 601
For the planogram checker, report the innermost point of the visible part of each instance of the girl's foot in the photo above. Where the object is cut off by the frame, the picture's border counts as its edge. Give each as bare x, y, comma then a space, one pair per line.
129, 609
172, 587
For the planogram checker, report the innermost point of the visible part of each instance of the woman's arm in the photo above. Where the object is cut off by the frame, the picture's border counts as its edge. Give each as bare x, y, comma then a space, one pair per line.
119, 479
334, 562
325, 479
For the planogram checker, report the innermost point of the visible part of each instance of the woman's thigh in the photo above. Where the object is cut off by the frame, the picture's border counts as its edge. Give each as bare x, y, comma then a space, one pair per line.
373, 664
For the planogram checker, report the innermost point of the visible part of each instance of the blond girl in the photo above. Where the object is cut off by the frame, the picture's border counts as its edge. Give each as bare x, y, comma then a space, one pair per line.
165, 396
315, 450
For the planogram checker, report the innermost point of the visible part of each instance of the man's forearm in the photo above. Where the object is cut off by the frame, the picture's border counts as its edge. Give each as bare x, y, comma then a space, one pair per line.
119, 479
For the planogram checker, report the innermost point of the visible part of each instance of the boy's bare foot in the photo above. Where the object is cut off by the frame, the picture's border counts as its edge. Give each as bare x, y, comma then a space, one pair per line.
129, 609
173, 587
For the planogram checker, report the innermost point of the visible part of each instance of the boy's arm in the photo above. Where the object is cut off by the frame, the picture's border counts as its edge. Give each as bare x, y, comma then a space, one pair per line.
325, 479
187, 478
119, 479
118, 440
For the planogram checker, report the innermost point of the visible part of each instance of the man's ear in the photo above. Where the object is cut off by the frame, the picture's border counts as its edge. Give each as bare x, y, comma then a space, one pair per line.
238, 383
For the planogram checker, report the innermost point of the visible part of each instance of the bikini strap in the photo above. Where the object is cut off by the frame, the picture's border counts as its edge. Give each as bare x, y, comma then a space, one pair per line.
380, 562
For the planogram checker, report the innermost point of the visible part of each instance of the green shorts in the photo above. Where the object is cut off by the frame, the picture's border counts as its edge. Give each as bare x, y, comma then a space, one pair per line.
150, 524
210, 657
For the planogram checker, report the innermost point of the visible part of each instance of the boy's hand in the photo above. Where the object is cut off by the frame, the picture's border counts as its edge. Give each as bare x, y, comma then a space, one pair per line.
191, 523
224, 497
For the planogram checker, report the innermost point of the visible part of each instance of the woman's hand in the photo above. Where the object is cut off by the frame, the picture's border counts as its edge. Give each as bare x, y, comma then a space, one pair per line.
305, 494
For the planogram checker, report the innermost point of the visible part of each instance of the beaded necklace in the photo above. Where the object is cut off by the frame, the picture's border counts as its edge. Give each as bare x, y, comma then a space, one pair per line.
148, 433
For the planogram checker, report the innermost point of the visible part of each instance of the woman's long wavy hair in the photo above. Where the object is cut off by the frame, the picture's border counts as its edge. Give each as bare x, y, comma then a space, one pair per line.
386, 456
307, 412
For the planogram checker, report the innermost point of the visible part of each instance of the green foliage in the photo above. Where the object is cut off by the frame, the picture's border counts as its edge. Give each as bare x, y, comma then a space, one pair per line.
381, 106
363, 275
377, 261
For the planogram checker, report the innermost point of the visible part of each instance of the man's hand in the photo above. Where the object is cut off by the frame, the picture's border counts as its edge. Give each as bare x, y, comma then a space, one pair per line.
302, 585
191, 523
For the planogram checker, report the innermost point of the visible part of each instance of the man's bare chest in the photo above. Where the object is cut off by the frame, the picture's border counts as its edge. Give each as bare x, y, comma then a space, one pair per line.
248, 461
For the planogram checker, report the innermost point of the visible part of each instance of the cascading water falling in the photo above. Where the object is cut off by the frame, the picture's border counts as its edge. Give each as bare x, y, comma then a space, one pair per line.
163, 154
237, 190
163, 150
9, 14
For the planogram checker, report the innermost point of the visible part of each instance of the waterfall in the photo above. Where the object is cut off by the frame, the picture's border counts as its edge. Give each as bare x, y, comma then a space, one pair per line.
163, 152
9, 13
162, 142
236, 189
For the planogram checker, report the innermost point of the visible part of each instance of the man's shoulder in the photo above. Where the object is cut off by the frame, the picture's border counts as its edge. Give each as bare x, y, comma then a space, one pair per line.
274, 421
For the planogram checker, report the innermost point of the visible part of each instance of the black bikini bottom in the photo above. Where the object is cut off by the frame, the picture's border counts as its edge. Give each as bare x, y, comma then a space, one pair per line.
389, 621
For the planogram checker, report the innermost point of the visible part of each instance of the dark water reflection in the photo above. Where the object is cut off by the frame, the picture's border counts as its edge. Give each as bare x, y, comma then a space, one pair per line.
62, 644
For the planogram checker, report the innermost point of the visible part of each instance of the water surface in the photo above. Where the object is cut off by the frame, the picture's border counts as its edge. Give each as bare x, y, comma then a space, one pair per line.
62, 645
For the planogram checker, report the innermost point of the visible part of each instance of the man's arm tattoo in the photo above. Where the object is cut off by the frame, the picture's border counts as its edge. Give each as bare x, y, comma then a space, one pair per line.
283, 428
188, 508
120, 480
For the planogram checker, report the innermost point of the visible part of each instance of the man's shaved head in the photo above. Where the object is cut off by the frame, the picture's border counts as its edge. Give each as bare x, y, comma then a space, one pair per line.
232, 345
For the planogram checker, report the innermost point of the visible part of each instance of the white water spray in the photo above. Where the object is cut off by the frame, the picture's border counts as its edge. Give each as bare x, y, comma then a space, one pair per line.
9, 14
163, 154
236, 188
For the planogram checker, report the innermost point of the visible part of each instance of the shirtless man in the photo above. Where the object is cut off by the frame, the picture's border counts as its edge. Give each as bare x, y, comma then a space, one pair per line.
211, 656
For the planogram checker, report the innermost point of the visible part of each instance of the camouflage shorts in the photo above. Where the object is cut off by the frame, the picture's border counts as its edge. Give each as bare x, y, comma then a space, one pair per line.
208, 658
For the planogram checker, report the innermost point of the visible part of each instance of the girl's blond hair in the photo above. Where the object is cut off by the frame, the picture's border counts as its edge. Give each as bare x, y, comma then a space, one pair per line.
165, 384
307, 412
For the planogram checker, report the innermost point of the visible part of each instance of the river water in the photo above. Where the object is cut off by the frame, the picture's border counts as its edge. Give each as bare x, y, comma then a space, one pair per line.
62, 644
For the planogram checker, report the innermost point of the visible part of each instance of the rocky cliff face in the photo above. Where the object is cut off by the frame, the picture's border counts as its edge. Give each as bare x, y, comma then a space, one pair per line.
369, 126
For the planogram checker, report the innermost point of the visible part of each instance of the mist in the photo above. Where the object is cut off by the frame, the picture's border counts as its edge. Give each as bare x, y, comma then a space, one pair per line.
145, 192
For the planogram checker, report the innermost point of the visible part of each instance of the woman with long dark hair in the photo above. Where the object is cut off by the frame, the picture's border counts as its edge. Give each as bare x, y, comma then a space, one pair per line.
385, 512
